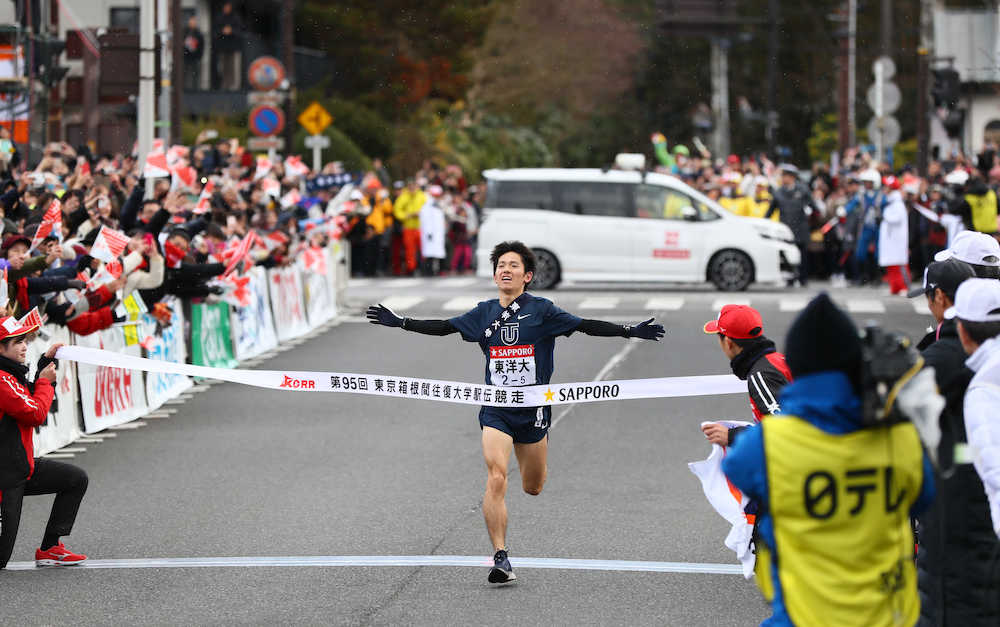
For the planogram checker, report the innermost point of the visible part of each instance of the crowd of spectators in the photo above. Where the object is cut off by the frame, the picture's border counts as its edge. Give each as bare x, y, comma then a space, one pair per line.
861, 223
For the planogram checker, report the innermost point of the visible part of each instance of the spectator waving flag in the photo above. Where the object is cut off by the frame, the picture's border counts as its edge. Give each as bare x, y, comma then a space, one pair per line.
205, 199
292, 198
51, 224
271, 187
295, 168
183, 177
235, 254
177, 153
156, 166
31, 319
109, 244
236, 292
263, 168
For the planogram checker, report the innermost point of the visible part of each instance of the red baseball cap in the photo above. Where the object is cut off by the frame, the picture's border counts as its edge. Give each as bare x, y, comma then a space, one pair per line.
739, 322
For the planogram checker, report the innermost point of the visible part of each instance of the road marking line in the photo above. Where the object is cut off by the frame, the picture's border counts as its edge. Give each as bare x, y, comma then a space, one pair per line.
72, 449
456, 282
402, 302
396, 283
865, 306
359, 282
473, 561
99, 436
59, 456
599, 302
461, 303
920, 306
719, 303
135, 424
792, 305
666, 303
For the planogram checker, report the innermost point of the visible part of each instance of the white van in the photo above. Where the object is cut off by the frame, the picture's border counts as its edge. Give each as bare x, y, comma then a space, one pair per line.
620, 225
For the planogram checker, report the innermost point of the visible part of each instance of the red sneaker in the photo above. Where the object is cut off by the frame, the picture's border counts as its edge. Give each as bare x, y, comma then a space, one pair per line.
58, 555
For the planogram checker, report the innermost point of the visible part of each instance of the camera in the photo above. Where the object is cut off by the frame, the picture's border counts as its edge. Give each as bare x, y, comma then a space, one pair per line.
888, 361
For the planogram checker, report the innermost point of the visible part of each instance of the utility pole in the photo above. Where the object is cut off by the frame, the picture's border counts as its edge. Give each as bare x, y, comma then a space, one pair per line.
885, 30
146, 104
852, 54
176, 70
166, 57
720, 96
924, 55
288, 60
843, 129
771, 122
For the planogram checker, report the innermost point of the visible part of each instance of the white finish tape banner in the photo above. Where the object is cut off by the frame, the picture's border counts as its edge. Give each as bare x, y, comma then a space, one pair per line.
426, 389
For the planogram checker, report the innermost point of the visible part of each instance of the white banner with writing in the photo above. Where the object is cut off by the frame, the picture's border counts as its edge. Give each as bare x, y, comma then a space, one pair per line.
287, 303
111, 395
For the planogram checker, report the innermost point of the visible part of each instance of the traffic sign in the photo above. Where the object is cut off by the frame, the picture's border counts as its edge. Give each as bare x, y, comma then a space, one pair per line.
317, 141
266, 120
891, 97
265, 73
889, 129
315, 118
888, 67
266, 143
255, 98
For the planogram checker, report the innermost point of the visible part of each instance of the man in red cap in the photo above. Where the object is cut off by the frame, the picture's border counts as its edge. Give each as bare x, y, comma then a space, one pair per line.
23, 406
753, 359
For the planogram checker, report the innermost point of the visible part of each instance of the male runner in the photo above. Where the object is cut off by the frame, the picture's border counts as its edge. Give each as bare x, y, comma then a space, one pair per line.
515, 320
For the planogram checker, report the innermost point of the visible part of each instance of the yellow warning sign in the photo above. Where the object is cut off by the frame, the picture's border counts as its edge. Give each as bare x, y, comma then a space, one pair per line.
315, 118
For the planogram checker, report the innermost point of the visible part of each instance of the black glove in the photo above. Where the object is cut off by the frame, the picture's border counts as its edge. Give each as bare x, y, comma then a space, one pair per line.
76, 284
380, 314
645, 331
118, 318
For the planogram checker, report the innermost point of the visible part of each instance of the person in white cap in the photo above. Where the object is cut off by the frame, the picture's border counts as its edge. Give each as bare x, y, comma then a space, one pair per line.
977, 311
979, 250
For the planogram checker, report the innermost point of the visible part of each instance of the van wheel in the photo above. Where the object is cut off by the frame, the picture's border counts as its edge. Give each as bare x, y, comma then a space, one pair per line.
730, 271
546, 270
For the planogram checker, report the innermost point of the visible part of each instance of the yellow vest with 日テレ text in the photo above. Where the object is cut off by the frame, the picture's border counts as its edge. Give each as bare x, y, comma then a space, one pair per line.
840, 505
984, 211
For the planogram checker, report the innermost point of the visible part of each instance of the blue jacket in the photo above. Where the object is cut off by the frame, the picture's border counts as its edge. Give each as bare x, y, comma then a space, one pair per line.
827, 401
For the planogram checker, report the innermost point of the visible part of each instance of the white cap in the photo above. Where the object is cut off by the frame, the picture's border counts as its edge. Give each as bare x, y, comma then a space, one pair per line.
356, 194
977, 300
871, 175
972, 247
956, 177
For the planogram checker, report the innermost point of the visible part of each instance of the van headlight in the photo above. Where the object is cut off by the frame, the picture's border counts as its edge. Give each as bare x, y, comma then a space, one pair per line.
776, 231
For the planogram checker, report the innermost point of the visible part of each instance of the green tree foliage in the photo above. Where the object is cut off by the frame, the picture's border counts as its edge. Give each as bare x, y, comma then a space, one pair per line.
341, 149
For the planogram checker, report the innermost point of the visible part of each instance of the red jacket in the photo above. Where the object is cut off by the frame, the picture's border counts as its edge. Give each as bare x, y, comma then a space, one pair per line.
91, 321
22, 409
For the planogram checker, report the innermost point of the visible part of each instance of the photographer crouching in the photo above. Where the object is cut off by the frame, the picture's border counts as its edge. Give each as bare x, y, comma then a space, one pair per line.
838, 476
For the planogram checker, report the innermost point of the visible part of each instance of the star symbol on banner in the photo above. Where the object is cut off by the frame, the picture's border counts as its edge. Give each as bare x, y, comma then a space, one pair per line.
549, 394
514, 306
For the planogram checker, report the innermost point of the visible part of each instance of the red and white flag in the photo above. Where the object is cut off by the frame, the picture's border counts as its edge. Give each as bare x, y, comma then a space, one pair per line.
183, 177
156, 166
177, 153
291, 199
51, 224
31, 319
294, 167
275, 239
84, 167
205, 199
271, 187
109, 244
263, 168
315, 260
233, 255
236, 292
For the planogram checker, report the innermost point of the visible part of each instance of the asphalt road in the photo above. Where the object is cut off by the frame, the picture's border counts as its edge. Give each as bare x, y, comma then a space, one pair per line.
244, 472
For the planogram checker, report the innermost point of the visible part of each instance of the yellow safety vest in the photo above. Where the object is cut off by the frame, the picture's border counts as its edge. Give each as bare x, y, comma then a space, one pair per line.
840, 505
984, 211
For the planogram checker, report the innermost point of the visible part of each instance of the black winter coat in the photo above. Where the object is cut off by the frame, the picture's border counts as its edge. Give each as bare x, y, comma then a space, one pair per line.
958, 560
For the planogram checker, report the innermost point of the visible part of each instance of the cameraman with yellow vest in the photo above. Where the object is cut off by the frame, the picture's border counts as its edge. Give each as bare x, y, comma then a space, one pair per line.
834, 544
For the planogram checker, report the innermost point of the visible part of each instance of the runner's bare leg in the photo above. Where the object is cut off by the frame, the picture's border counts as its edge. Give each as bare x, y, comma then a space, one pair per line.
497, 446
532, 459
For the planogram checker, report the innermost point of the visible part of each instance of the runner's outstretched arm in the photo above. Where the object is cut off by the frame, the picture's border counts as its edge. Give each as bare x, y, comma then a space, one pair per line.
380, 314
644, 330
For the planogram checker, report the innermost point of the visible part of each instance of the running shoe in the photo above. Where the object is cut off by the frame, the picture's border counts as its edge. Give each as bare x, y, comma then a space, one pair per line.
501, 571
58, 555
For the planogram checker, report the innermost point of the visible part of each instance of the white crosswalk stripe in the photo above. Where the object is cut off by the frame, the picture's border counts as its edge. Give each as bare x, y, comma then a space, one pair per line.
404, 282
665, 303
397, 303
456, 282
719, 303
599, 302
865, 306
792, 305
460, 303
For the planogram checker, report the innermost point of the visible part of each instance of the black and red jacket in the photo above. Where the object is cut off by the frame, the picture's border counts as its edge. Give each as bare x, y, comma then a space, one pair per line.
24, 406
766, 373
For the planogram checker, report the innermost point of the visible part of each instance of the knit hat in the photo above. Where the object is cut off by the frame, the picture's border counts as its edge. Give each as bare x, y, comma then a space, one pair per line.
823, 338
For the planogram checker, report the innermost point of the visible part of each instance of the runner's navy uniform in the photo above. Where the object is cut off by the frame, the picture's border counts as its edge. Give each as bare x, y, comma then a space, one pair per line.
519, 351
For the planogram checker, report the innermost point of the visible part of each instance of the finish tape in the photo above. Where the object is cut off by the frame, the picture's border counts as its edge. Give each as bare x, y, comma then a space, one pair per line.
529, 396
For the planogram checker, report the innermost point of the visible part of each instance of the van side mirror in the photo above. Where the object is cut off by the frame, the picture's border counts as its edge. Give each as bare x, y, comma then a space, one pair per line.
689, 213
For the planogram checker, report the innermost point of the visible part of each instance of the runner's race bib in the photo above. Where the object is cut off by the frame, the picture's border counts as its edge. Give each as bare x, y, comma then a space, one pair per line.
512, 366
